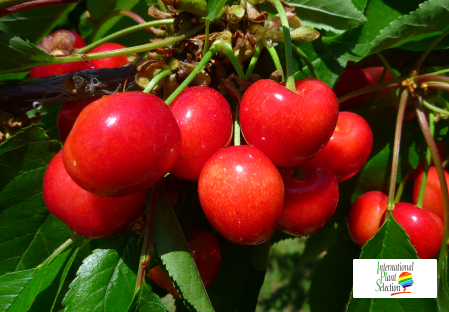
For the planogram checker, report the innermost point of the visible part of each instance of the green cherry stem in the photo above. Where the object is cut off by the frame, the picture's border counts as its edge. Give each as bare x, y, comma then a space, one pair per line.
437, 85
145, 253
396, 148
426, 164
440, 172
434, 108
206, 40
124, 32
397, 198
290, 84
237, 128
95, 56
303, 57
60, 249
274, 55
166, 71
431, 78
253, 61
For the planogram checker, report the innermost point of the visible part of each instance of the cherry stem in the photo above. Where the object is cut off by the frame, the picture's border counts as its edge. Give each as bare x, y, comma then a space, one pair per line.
206, 40
274, 55
132, 15
237, 128
227, 50
206, 58
437, 85
396, 148
435, 108
397, 198
124, 32
431, 78
443, 71
426, 164
166, 71
440, 172
60, 249
95, 56
377, 87
253, 61
303, 57
4, 4
387, 65
6, 9
290, 84
429, 49
145, 253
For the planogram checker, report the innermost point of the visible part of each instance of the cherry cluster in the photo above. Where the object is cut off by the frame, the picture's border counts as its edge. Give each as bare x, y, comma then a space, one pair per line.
297, 148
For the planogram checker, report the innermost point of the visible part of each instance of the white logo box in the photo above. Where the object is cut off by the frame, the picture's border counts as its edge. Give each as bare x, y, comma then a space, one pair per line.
380, 278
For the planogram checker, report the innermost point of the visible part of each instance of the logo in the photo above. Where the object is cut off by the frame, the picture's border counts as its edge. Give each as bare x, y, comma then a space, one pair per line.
391, 278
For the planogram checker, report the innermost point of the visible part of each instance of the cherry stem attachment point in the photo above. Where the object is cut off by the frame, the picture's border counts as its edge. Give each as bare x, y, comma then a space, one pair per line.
95, 56
124, 32
274, 55
145, 253
166, 71
426, 164
290, 84
440, 172
396, 149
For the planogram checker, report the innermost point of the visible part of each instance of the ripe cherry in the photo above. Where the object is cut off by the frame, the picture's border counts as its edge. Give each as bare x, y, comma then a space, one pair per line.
69, 113
348, 149
60, 43
424, 228
206, 252
109, 62
433, 200
420, 168
242, 194
352, 80
290, 128
309, 202
374, 74
204, 118
122, 144
365, 216
86, 214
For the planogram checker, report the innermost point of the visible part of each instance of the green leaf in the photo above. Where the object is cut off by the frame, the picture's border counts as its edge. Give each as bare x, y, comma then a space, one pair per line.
175, 255
443, 287
53, 281
334, 269
318, 243
147, 301
49, 121
28, 232
18, 289
99, 9
35, 24
430, 19
107, 278
356, 43
214, 7
335, 16
17, 52
390, 242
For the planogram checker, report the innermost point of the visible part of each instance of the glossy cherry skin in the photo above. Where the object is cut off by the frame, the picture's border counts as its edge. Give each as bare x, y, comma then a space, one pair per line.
60, 43
204, 118
424, 228
109, 62
68, 114
242, 194
352, 80
365, 215
206, 252
309, 202
348, 149
122, 144
86, 214
290, 128
433, 200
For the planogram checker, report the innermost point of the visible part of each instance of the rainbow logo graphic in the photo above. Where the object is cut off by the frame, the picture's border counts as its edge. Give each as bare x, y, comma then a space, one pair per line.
405, 280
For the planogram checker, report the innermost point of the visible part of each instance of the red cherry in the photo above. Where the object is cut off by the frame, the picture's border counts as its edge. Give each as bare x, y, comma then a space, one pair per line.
433, 200
352, 80
122, 144
242, 194
309, 201
423, 227
89, 215
206, 252
204, 118
290, 128
109, 62
420, 168
373, 74
365, 216
348, 149
69, 113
